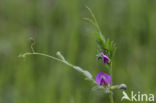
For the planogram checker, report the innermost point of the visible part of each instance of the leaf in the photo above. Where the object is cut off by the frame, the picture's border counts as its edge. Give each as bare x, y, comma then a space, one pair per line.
100, 40
104, 44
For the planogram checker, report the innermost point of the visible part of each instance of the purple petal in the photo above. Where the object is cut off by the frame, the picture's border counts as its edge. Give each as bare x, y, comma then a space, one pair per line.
103, 79
105, 58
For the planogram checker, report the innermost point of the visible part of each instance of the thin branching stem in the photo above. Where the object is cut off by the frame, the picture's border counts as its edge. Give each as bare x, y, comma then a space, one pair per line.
41, 54
85, 73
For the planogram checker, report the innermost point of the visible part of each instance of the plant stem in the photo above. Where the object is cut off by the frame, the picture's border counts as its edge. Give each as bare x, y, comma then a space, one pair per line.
111, 97
42, 54
63, 61
111, 93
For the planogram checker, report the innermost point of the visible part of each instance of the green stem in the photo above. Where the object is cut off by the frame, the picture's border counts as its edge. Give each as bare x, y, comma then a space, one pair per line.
60, 60
111, 93
111, 97
42, 54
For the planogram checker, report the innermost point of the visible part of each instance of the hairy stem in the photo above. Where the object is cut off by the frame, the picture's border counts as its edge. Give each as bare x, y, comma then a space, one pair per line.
84, 72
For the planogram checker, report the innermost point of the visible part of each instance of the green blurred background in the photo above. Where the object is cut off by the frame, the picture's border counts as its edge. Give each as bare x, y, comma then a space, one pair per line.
58, 25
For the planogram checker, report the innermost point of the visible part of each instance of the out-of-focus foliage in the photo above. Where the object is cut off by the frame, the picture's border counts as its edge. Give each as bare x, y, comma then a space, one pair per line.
58, 25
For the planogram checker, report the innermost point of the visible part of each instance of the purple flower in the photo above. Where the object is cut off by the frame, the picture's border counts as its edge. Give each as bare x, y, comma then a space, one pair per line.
105, 58
103, 79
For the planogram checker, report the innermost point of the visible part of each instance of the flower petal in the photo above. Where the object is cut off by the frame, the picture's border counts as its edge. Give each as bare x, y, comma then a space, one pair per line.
103, 79
105, 58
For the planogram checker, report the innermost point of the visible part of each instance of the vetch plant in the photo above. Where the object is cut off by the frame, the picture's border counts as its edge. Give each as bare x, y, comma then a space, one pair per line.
105, 51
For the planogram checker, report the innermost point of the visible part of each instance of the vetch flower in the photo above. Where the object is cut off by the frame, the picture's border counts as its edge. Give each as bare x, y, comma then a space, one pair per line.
105, 58
103, 79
